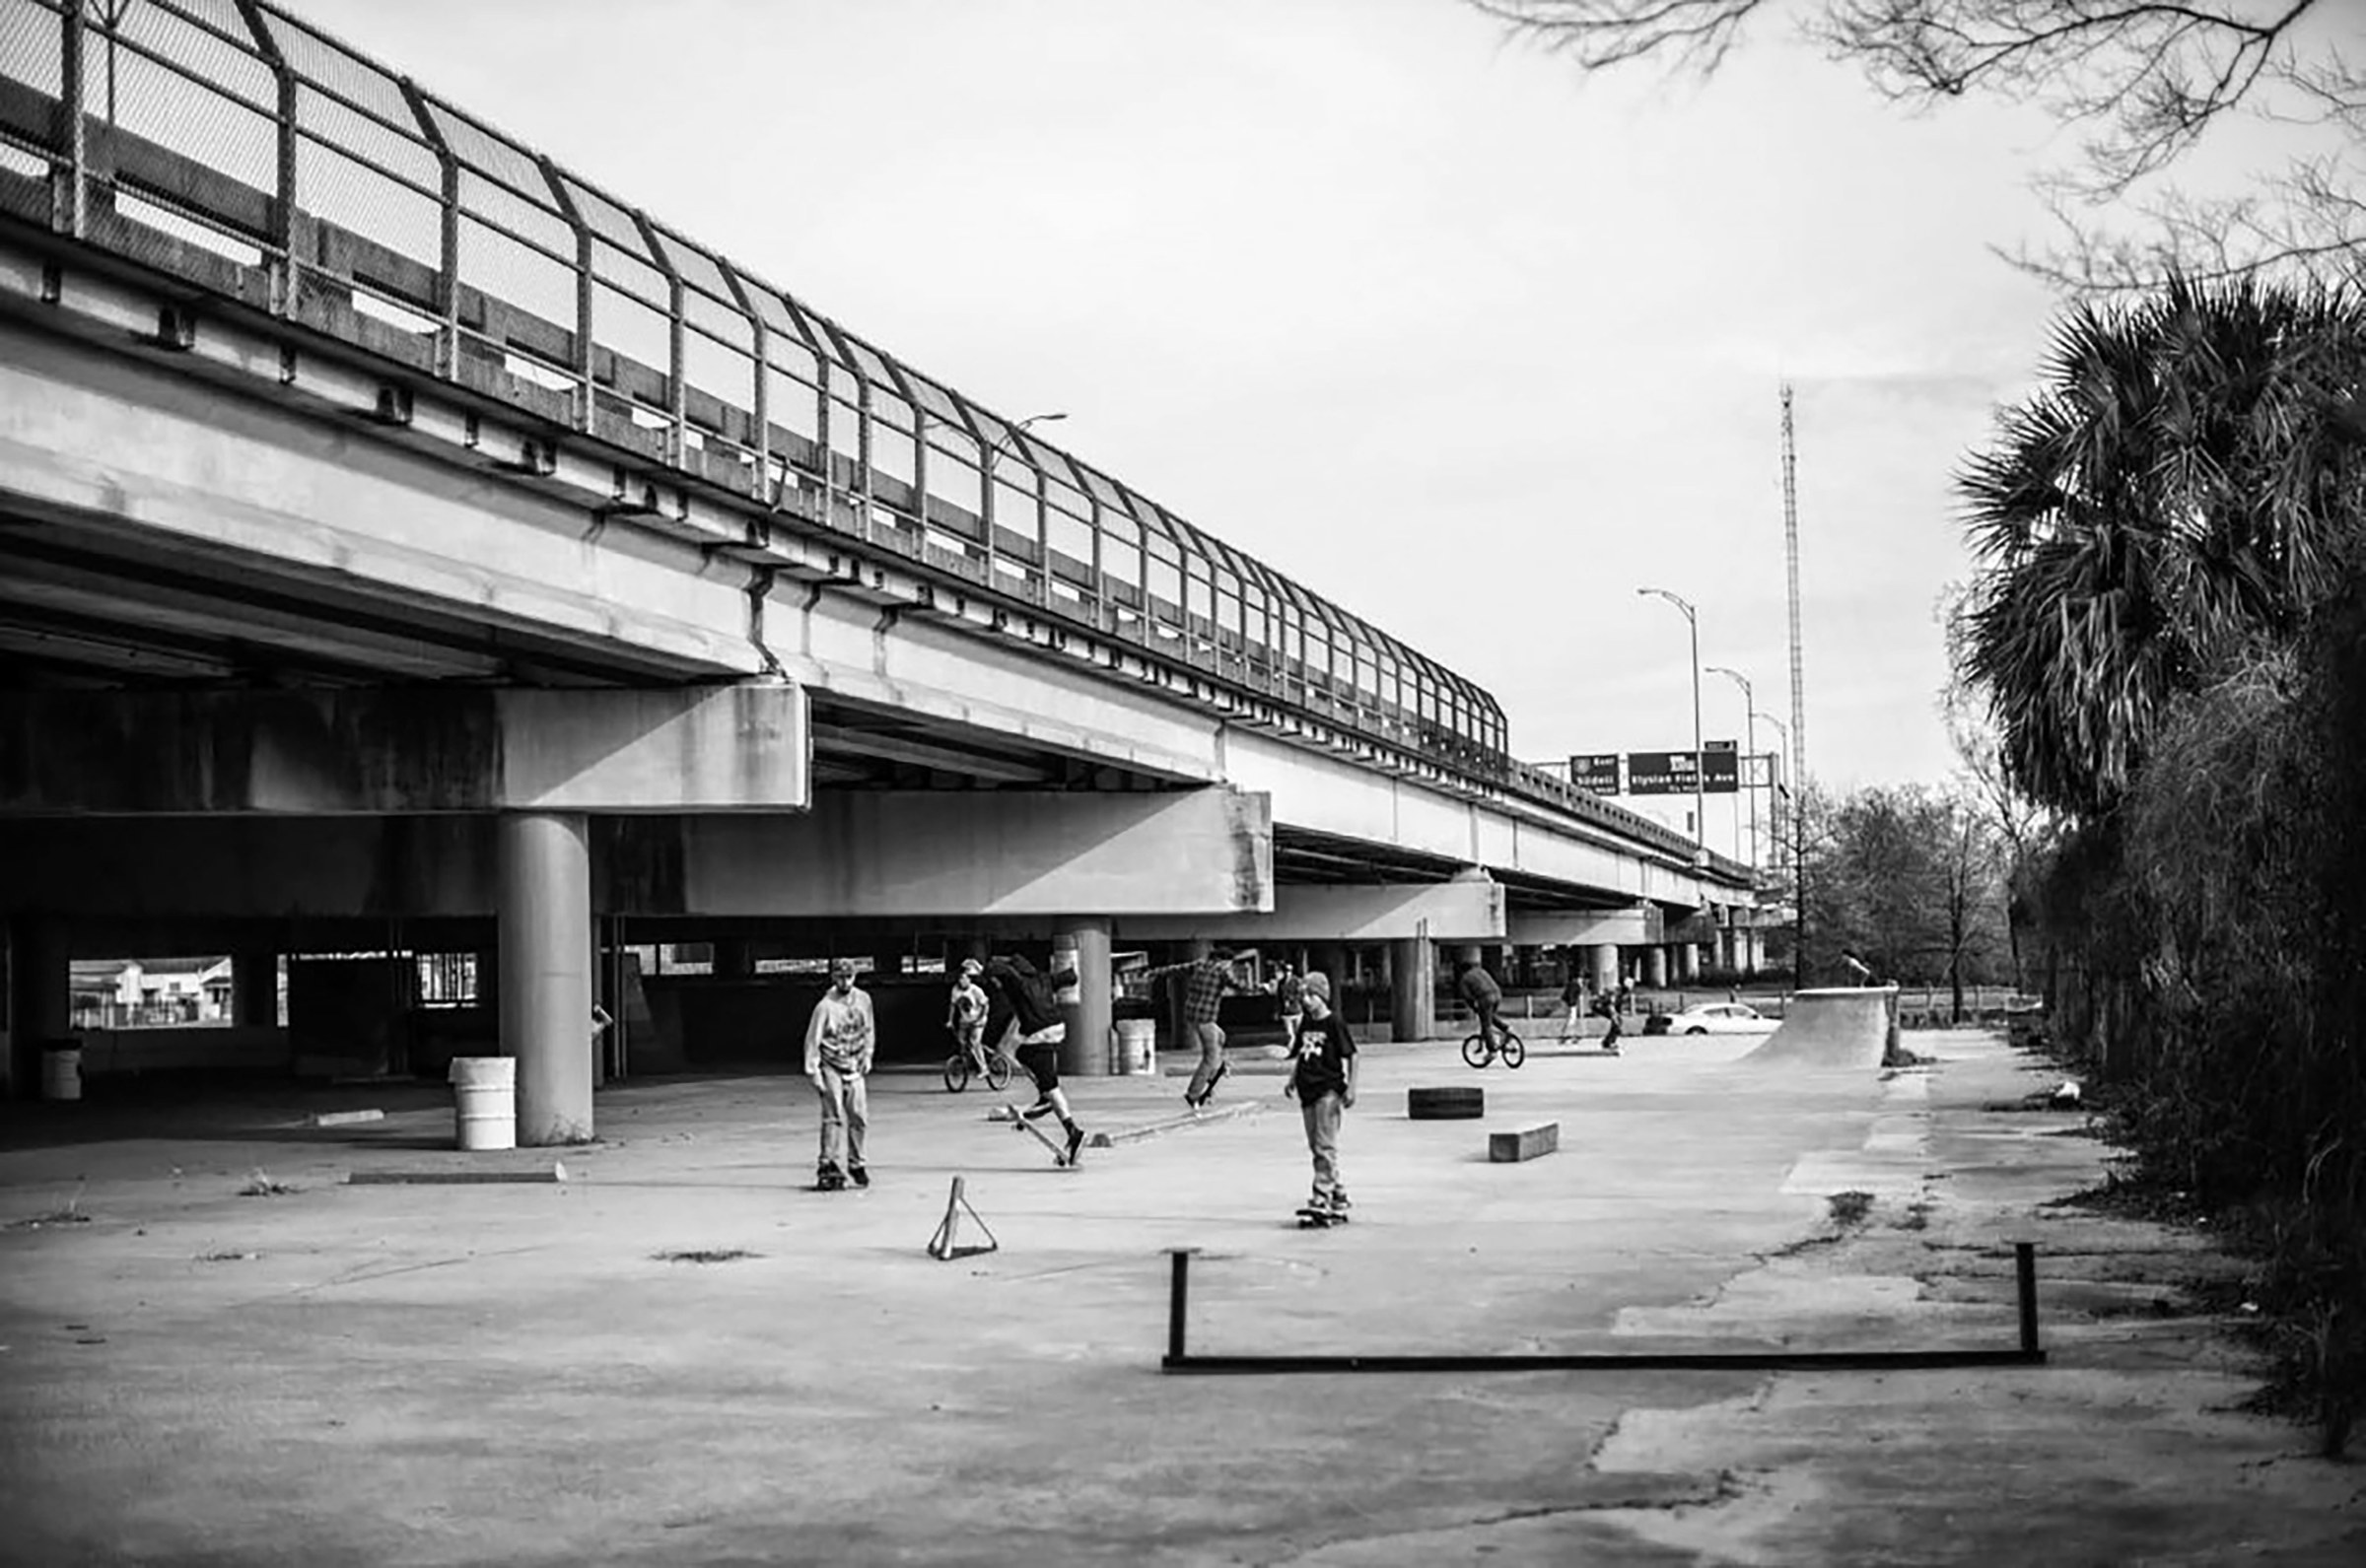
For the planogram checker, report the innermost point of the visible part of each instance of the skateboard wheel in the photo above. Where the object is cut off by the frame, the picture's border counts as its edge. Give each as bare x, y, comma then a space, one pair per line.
1458, 1102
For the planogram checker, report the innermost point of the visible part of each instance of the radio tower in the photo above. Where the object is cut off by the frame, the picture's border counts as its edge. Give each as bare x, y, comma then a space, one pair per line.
1798, 735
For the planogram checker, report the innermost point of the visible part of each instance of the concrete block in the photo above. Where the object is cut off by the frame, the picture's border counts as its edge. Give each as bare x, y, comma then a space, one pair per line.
1523, 1144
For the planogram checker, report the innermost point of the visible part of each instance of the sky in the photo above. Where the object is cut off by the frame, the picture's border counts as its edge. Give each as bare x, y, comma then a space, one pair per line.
1470, 344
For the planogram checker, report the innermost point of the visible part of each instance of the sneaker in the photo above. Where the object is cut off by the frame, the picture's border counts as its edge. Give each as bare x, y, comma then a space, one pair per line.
1076, 1143
860, 1176
1339, 1198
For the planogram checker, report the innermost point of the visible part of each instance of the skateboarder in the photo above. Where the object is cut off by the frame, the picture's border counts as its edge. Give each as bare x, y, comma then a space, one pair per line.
840, 1040
1324, 1083
1204, 982
1607, 1006
1022, 1009
965, 1013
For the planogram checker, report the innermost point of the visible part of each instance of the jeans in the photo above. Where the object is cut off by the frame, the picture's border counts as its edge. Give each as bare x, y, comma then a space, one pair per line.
845, 1118
1212, 1058
1321, 1115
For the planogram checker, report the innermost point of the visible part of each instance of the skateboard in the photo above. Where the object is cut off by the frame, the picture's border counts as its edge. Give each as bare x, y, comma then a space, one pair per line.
1312, 1218
1059, 1154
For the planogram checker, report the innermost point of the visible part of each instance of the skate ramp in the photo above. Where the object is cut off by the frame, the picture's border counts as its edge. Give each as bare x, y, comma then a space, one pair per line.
1840, 1027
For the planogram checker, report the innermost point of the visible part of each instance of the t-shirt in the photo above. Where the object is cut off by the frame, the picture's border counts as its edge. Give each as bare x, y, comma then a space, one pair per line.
1324, 1048
970, 1005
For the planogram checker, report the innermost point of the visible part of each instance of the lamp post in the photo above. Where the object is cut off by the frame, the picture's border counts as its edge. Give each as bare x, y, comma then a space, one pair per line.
1012, 428
1749, 794
1799, 877
1782, 729
1692, 622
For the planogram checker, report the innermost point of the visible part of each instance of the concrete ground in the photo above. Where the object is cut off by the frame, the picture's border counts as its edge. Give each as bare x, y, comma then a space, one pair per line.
528, 1373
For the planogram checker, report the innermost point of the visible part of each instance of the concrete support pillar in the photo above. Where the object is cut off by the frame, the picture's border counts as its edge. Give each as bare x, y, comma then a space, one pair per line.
1687, 963
1412, 998
888, 965
255, 993
1603, 958
40, 998
488, 980
734, 958
1081, 943
1655, 967
544, 866
1334, 960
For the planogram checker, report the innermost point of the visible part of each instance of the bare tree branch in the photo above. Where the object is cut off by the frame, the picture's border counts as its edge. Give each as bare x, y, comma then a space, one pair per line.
2148, 81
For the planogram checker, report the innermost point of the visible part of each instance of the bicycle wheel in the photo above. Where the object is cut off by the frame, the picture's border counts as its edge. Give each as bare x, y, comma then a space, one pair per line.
1476, 1051
997, 1071
1514, 1050
956, 1071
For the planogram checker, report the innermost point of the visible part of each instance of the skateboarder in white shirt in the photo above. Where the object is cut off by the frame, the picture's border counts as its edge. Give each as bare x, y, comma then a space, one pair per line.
840, 1040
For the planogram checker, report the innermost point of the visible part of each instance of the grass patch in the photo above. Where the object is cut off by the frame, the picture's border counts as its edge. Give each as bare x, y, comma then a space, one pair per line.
1849, 1208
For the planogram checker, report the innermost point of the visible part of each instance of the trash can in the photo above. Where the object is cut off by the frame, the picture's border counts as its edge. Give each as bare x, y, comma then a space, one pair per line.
485, 1096
1136, 1045
61, 1069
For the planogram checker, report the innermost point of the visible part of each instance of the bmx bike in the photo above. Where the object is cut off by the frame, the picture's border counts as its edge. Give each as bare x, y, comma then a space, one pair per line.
959, 1070
1477, 1051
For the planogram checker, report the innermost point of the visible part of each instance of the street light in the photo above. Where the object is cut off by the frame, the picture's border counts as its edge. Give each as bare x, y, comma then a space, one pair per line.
1748, 793
1699, 796
1012, 428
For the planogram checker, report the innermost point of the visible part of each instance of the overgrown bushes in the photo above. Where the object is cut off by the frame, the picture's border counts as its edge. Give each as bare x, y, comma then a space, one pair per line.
2175, 643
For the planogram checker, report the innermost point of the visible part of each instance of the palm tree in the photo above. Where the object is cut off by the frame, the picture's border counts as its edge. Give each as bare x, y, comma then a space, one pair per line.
2169, 500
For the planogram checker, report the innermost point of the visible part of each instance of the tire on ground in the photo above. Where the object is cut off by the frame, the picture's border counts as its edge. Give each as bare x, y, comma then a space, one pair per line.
1458, 1102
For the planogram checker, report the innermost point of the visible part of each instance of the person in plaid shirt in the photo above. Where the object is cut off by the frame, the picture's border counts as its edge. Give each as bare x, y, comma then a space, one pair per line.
1205, 981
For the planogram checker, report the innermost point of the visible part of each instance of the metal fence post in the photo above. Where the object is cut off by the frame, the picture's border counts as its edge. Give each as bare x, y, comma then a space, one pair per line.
69, 197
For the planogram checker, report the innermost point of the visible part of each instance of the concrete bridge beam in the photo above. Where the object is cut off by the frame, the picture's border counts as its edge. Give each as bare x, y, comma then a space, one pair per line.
1463, 910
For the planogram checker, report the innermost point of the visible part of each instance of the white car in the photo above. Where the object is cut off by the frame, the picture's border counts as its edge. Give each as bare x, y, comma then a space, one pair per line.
1721, 1018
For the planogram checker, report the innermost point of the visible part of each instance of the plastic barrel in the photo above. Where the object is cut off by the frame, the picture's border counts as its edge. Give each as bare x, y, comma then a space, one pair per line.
1138, 1046
62, 1073
485, 1095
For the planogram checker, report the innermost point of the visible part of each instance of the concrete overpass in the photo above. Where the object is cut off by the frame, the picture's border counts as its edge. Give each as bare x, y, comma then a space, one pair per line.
393, 526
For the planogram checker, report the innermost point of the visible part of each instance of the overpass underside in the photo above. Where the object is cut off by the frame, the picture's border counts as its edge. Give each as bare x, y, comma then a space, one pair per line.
311, 643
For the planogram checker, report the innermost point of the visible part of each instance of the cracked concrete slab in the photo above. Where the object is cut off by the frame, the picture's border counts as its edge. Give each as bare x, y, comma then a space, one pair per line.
444, 1375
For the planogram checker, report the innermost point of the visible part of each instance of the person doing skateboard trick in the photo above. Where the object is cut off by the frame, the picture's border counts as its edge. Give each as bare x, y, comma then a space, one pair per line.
1205, 984
1324, 1083
1022, 1009
840, 1040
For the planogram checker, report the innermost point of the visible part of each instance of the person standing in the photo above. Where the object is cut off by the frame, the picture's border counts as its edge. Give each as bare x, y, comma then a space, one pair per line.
841, 1038
1572, 996
1290, 996
1024, 1008
1480, 993
965, 1014
1324, 1083
1205, 981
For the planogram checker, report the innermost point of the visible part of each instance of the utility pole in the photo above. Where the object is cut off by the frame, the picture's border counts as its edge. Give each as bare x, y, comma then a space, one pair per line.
1798, 730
